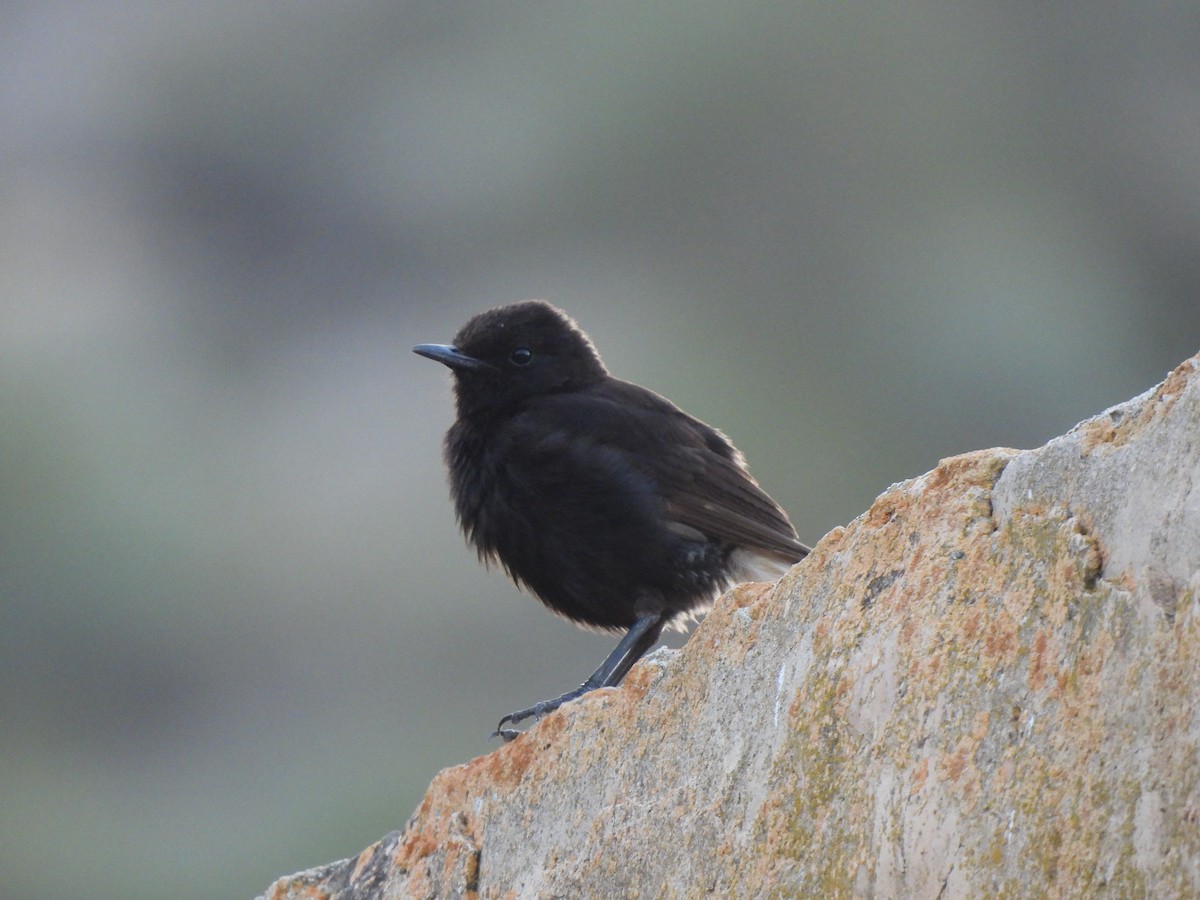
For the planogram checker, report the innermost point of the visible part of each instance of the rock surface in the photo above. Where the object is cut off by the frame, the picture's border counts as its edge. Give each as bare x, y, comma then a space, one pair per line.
986, 685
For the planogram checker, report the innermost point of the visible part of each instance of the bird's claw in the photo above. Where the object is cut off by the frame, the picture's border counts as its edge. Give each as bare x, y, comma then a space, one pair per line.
506, 734
536, 712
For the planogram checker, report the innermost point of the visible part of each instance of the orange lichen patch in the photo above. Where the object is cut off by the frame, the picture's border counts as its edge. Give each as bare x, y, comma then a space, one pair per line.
932, 666
955, 764
1001, 639
1177, 381
1165, 395
1123, 580
1003, 775
1039, 665
363, 859
843, 694
753, 596
508, 764
980, 728
1098, 432
959, 764
1124, 424
979, 468
461, 863
919, 774
416, 846
885, 508
971, 624
637, 683
830, 543
916, 558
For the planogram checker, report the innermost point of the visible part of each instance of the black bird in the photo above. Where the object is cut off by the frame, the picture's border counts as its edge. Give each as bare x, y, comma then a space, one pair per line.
614, 507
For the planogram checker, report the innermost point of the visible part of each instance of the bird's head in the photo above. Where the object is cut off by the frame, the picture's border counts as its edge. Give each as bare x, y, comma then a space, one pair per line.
506, 355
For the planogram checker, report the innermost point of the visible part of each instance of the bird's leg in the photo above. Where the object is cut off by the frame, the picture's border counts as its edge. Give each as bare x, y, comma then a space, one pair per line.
640, 638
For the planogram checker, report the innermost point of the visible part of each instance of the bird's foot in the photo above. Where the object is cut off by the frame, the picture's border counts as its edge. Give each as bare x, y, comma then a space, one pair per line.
536, 711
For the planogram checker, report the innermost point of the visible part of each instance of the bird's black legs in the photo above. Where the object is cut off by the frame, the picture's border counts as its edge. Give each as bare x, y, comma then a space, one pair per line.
640, 638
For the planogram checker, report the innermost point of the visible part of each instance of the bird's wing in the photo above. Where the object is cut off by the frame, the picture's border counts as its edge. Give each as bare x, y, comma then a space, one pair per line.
701, 476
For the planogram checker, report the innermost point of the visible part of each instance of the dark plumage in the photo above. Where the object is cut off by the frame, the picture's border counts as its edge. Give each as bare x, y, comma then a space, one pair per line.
614, 507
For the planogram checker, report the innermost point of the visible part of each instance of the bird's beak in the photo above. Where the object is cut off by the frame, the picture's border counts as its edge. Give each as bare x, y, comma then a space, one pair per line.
449, 355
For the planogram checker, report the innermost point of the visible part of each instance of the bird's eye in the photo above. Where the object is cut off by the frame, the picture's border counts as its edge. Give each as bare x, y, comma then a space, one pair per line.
522, 356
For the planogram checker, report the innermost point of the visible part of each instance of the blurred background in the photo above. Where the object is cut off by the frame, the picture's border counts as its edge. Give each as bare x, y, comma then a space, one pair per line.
239, 630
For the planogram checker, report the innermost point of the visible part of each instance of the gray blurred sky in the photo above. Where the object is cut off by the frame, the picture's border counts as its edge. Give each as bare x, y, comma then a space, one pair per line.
239, 630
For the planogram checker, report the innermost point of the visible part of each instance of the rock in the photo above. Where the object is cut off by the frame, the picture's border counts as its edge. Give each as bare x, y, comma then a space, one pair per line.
986, 685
